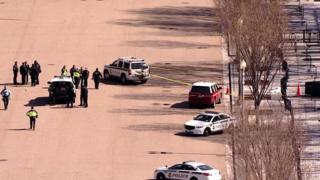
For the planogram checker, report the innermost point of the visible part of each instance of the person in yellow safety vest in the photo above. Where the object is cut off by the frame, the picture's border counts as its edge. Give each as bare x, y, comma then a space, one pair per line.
32, 114
76, 77
64, 71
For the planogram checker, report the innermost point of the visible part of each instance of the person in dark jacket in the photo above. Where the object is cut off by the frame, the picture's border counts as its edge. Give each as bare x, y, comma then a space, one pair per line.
15, 70
33, 74
96, 76
23, 72
71, 97
72, 69
27, 73
84, 96
84, 77
38, 71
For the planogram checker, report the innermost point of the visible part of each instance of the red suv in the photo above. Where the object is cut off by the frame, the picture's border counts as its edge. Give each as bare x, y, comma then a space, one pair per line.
205, 93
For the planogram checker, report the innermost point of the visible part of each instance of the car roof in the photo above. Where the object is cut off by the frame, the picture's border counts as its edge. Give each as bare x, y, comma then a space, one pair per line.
212, 113
204, 83
131, 59
62, 79
193, 163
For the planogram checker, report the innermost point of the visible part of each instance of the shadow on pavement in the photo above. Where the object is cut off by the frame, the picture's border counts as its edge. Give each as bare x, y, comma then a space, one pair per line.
116, 82
184, 21
39, 101
217, 137
169, 44
19, 129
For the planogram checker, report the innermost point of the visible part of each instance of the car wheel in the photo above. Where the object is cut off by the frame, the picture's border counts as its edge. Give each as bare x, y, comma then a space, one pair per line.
144, 81
123, 79
161, 176
206, 132
191, 105
106, 75
213, 105
52, 100
194, 178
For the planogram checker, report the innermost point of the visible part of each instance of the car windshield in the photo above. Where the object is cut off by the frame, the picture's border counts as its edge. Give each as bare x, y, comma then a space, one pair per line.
200, 89
204, 167
61, 84
205, 118
139, 66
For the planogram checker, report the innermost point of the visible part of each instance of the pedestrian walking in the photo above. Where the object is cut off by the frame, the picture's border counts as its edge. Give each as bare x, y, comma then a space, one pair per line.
33, 115
84, 77
33, 73
5, 93
71, 97
84, 96
15, 70
96, 78
38, 71
76, 77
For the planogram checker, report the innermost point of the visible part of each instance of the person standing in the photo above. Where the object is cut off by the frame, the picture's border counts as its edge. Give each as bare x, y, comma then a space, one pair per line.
38, 71
23, 72
27, 72
5, 93
84, 77
96, 78
33, 115
76, 76
72, 71
84, 96
71, 97
15, 70
33, 74
64, 71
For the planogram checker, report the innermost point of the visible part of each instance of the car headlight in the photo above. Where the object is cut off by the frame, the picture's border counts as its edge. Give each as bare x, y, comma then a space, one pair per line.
199, 126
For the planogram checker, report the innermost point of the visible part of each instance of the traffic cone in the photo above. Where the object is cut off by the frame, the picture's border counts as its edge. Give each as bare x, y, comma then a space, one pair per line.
298, 91
227, 90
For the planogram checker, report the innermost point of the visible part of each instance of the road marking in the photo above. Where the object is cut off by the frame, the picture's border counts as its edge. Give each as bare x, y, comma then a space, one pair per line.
172, 80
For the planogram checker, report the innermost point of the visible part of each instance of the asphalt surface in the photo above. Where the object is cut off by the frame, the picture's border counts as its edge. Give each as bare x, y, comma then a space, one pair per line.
119, 136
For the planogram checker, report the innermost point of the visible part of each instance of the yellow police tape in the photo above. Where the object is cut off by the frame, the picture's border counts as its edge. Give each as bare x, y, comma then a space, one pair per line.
172, 80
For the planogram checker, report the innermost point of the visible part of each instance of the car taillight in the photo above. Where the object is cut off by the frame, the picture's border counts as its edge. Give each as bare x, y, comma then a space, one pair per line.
206, 174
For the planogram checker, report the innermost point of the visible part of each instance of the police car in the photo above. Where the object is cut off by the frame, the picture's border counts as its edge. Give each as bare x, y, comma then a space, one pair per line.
188, 170
207, 122
59, 88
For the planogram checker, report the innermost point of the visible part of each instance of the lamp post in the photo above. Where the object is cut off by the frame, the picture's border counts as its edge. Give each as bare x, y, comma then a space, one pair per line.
243, 66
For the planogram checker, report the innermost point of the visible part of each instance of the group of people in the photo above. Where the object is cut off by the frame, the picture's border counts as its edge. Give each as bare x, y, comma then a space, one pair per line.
25, 70
32, 114
80, 76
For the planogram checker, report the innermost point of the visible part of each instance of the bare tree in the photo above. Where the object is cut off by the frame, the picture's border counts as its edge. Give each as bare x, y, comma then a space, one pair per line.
257, 28
266, 150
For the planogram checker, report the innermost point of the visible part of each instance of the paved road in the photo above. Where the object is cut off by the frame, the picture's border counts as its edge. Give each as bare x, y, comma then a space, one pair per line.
112, 139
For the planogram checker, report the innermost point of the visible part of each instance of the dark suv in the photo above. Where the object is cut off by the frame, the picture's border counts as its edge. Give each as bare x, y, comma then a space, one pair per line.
60, 89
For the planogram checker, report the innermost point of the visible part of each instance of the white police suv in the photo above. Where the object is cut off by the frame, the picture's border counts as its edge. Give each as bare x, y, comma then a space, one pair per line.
188, 170
207, 122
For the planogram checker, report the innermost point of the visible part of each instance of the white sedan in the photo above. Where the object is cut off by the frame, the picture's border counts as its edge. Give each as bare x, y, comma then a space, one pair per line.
189, 170
207, 122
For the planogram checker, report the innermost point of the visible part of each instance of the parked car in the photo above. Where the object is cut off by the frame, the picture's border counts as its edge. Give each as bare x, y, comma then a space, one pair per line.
189, 170
127, 69
208, 122
205, 93
59, 88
